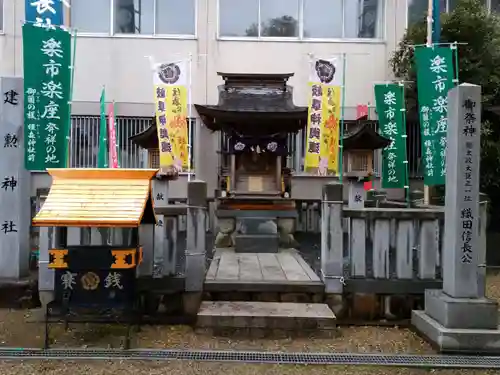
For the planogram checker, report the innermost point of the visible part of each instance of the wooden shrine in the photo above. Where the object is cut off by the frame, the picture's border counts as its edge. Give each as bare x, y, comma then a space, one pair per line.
96, 283
254, 117
359, 146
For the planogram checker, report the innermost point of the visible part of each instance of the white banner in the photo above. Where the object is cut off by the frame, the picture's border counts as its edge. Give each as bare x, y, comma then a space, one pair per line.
326, 71
171, 74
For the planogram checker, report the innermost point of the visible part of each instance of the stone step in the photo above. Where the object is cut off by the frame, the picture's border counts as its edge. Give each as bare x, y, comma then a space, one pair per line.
252, 243
266, 316
257, 225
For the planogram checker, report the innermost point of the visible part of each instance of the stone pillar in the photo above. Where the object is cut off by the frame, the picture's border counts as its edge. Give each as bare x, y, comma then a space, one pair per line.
195, 245
232, 173
332, 238
357, 194
15, 212
160, 196
459, 318
483, 225
461, 239
48, 240
74, 236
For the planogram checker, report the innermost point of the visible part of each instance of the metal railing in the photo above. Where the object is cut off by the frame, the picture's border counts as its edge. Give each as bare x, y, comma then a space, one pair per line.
84, 141
84, 144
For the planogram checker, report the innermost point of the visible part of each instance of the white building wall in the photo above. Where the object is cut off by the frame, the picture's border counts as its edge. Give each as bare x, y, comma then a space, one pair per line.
119, 63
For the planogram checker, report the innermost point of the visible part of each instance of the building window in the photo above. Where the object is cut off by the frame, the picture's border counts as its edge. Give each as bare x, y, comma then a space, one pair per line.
323, 18
301, 19
90, 16
141, 17
279, 18
239, 18
417, 9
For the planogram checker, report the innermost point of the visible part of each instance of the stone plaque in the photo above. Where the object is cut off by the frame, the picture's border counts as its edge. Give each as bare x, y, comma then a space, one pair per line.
15, 212
461, 237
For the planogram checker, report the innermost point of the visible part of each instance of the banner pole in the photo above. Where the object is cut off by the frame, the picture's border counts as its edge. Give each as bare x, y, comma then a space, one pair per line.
189, 123
429, 44
342, 114
405, 137
117, 131
70, 101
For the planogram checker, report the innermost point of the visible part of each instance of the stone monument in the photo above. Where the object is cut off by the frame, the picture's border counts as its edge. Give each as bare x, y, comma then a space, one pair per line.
15, 212
459, 318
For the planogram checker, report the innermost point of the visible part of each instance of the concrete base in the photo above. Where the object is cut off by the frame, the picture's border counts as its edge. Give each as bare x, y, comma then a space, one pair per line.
267, 316
462, 313
455, 340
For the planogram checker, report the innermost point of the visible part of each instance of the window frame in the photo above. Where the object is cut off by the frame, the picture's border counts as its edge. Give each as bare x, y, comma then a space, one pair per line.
300, 38
111, 33
488, 8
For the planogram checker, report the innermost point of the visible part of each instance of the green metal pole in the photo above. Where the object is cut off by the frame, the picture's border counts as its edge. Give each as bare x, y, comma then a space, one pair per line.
454, 47
405, 136
342, 113
70, 102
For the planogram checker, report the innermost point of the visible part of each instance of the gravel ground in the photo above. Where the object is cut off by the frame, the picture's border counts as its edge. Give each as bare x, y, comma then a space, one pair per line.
204, 368
15, 332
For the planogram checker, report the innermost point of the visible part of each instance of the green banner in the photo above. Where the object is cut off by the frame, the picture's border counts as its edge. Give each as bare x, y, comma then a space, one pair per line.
47, 60
389, 100
434, 80
102, 156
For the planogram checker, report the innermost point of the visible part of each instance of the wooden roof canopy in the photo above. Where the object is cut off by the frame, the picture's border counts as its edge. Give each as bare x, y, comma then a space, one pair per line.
364, 137
83, 197
254, 105
249, 104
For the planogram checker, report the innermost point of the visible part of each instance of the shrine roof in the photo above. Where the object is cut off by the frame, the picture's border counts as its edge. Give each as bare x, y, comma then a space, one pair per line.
83, 197
254, 104
364, 137
148, 138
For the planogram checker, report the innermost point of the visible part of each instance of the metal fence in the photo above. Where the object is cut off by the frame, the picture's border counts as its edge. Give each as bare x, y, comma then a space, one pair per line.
84, 140
84, 144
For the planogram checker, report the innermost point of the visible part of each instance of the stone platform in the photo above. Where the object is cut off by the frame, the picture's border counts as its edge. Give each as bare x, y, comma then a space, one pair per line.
260, 319
459, 325
456, 340
282, 272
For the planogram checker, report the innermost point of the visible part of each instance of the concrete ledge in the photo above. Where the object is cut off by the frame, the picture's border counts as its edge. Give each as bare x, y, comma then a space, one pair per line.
394, 213
390, 286
271, 334
257, 213
278, 286
463, 313
265, 315
454, 340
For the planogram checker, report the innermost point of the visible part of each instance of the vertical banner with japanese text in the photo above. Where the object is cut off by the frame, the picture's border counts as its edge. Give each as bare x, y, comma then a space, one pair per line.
330, 130
171, 108
435, 73
113, 145
323, 132
389, 101
47, 76
45, 13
